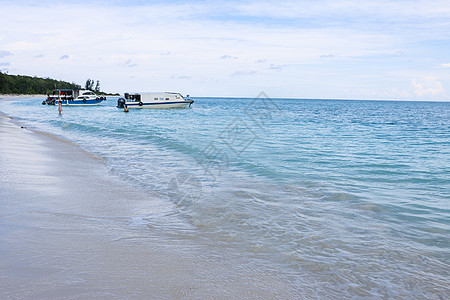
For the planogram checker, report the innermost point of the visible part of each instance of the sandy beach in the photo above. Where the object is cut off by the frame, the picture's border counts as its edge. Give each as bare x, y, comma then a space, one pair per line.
67, 230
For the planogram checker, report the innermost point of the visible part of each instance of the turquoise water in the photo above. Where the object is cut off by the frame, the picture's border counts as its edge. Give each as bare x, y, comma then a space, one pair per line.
343, 198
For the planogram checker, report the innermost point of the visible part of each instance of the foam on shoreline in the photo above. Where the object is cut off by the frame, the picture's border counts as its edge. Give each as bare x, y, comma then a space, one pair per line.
66, 230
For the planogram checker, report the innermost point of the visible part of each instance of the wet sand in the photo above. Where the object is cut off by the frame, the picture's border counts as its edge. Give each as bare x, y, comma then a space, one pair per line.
67, 231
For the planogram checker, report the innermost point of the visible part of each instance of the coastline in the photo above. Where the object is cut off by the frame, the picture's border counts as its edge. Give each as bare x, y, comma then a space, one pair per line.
67, 230
24, 96
30, 96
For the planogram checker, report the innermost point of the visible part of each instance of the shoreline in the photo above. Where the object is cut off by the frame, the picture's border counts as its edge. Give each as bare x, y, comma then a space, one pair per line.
68, 229
30, 96
21, 96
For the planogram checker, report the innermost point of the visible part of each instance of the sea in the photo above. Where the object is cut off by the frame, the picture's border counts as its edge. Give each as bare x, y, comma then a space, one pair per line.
341, 198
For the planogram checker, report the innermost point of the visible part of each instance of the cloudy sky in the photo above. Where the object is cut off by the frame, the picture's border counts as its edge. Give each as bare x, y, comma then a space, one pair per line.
300, 49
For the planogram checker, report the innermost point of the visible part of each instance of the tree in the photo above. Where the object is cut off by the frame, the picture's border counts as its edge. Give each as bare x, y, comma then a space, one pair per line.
2, 83
18, 84
97, 86
89, 84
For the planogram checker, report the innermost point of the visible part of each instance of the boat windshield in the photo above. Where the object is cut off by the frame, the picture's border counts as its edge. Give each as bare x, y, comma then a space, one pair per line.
135, 97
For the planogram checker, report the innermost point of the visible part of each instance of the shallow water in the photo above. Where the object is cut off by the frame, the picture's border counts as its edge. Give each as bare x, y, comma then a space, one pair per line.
341, 198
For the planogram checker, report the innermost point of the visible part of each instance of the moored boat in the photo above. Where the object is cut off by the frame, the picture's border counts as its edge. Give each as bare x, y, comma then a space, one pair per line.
70, 97
154, 100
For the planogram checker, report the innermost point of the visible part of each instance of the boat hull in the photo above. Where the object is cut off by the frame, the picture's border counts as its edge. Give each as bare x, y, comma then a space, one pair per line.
177, 104
81, 102
70, 97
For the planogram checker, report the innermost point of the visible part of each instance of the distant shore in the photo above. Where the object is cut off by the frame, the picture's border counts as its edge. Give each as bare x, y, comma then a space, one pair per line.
26, 96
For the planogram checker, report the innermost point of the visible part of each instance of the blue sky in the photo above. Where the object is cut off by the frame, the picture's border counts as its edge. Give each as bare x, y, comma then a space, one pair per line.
300, 49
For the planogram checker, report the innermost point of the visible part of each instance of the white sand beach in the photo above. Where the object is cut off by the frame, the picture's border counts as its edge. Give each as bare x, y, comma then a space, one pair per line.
66, 231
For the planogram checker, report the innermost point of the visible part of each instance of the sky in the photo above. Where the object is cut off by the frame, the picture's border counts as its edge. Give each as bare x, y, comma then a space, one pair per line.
385, 50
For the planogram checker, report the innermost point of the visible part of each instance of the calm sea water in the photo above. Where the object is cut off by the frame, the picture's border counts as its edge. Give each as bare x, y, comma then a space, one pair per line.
343, 198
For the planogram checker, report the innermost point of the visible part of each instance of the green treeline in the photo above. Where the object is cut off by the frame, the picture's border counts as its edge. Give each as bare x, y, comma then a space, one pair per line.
17, 84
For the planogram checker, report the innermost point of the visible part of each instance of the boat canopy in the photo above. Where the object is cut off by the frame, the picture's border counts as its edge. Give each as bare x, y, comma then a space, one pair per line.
67, 92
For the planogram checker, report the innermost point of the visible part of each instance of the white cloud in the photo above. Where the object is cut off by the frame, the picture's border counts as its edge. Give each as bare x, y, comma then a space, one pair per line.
180, 77
398, 94
129, 64
4, 53
428, 87
445, 65
135, 46
386, 9
277, 67
228, 57
243, 73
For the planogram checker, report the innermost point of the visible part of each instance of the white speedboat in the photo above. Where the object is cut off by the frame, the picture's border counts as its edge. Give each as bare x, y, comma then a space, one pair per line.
154, 100
73, 97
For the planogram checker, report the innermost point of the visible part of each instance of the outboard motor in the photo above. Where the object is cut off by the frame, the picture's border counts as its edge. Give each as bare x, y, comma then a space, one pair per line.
121, 103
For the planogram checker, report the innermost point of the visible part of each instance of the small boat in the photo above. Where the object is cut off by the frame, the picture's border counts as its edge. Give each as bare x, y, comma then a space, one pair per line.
73, 97
154, 100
